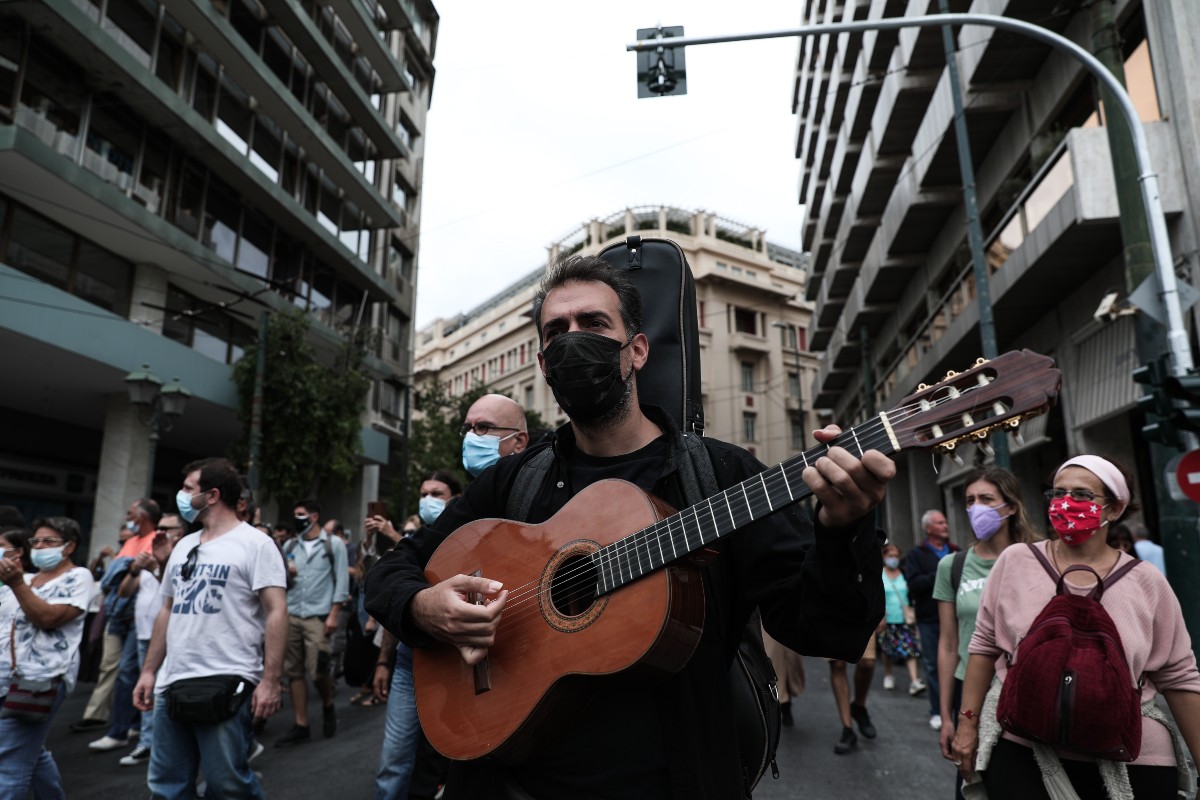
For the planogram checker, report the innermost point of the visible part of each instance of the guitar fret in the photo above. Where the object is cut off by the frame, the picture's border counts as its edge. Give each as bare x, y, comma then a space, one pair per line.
746, 498
713, 514
787, 483
699, 525
658, 537
729, 509
762, 479
855, 435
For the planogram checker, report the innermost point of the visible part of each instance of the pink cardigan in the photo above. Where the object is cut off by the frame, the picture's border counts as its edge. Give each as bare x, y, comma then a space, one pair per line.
1142, 606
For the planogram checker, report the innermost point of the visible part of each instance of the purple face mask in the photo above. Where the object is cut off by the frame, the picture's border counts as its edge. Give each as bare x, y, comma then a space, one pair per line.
985, 520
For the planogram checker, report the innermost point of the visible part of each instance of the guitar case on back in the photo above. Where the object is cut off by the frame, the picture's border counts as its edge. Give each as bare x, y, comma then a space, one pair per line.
671, 381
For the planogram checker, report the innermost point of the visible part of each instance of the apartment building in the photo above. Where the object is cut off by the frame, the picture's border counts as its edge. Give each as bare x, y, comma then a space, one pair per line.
169, 170
753, 318
891, 281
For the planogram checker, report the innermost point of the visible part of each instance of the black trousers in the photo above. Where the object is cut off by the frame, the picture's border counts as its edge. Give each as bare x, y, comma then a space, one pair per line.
1013, 774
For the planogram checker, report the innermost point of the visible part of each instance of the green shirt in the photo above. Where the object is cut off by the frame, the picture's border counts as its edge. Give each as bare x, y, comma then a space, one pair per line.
966, 604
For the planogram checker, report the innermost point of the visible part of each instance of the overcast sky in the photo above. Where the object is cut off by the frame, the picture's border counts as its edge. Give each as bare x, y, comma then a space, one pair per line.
536, 128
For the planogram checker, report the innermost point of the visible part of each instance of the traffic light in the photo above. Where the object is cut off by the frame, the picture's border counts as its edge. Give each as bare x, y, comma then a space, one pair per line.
660, 69
1157, 404
1186, 388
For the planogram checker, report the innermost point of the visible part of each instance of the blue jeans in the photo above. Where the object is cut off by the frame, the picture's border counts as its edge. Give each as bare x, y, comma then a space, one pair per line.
929, 657
25, 763
401, 732
124, 715
180, 749
147, 737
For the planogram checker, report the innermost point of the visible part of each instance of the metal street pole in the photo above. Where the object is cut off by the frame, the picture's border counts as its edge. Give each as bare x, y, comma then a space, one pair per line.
983, 289
1177, 340
254, 469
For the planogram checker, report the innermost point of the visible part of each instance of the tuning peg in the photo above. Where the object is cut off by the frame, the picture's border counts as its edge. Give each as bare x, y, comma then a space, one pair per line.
1018, 438
986, 448
955, 457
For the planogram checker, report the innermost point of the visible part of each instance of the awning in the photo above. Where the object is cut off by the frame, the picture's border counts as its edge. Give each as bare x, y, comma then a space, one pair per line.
1102, 385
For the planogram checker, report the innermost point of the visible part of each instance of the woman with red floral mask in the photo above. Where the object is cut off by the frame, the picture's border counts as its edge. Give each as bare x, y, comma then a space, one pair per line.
1088, 495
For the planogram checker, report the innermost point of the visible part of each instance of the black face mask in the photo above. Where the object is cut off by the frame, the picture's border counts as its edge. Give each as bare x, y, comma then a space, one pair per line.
584, 373
300, 524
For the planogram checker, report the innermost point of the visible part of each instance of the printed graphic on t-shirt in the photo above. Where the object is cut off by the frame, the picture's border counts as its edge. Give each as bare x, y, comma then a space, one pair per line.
971, 585
204, 593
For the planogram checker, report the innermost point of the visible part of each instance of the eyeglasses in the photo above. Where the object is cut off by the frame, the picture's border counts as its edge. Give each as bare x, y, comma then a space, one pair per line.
482, 428
168, 528
1078, 495
189, 564
45, 542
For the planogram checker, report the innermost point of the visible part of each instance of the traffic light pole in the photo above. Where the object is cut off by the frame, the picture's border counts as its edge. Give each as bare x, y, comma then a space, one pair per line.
1177, 341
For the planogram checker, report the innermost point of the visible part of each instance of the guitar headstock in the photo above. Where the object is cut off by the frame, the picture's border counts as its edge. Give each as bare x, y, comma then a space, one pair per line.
992, 395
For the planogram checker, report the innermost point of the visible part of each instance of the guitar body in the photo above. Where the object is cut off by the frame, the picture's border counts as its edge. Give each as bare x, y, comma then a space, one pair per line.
553, 626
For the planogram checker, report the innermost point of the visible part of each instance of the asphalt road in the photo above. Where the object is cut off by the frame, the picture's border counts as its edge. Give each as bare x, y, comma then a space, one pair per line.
904, 759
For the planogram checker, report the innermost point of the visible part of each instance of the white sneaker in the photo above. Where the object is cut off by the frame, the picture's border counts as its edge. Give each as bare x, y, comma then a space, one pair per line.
889, 682
139, 755
106, 743
916, 687
935, 722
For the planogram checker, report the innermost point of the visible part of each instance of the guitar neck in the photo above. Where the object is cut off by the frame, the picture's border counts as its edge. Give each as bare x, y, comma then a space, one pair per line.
689, 530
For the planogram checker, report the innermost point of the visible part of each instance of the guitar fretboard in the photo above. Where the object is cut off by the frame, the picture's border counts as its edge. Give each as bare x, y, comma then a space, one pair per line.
653, 547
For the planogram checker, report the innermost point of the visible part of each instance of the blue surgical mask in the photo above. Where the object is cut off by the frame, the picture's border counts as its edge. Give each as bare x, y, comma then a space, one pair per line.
45, 558
430, 508
183, 502
132, 526
480, 452
891, 562
985, 520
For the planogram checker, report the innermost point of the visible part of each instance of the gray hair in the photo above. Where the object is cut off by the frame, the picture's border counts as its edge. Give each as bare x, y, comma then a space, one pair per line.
927, 517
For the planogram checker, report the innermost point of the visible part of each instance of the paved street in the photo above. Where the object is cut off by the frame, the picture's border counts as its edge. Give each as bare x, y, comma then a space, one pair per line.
903, 756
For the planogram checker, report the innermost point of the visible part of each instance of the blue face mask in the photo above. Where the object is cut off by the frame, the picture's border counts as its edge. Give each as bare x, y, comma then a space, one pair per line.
891, 562
480, 452
430, 508
183, 502
45, 558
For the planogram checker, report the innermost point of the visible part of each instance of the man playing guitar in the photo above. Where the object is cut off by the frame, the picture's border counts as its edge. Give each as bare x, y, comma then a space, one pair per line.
636, 735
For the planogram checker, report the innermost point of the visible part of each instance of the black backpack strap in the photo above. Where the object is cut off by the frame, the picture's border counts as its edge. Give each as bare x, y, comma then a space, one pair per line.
956, 570
696, 471
526, 484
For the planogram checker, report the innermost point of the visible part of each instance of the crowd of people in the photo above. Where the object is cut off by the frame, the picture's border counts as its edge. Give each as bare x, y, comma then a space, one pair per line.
204, 616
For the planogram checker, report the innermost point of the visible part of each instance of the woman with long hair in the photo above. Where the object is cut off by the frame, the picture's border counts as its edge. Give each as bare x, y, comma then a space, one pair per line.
998, 519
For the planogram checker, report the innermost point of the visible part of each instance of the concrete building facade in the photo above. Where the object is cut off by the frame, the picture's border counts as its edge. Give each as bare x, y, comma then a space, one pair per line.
892, 281
168, 171
753, 320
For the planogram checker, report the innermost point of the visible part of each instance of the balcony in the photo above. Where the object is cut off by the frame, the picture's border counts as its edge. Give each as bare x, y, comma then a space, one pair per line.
743, 342
903, 98
1062, 226
992, 56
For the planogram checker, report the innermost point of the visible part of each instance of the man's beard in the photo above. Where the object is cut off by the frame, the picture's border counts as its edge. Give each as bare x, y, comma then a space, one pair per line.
614, 416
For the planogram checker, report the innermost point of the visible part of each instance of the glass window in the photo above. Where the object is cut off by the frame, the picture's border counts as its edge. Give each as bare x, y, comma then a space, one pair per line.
169, 66
793, 384
177, 324
191, 200
132, 25
204, 91
747, 376
103, 278
749, 424
745, 321
40, 248
221, 220
254, 250
796, 429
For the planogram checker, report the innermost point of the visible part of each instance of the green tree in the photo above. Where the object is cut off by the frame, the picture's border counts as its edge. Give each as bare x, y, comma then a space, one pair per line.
311, 413
435, 442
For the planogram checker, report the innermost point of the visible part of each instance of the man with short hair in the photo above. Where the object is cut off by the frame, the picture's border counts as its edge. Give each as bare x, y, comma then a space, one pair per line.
223, 618
920, 570
1147, 549
112, 698
320, 586
818, 587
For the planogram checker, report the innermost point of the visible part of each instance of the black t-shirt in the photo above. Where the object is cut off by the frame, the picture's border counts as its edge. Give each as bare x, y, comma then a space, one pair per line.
611, 747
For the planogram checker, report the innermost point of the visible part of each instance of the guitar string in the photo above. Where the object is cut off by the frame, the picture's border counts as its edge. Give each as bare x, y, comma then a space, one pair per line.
676, 529
871, 436
645, 540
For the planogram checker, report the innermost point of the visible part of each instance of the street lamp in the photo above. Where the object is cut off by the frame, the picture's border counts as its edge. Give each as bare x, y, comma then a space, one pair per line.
157, 407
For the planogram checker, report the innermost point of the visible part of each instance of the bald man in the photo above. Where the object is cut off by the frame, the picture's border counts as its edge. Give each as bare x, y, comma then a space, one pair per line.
494, 428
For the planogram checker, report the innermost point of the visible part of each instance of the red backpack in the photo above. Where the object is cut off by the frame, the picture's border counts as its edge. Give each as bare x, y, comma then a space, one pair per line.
1068, 684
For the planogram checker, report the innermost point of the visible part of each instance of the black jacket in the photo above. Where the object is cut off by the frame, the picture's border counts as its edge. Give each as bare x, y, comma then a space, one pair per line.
819, 593
920, 572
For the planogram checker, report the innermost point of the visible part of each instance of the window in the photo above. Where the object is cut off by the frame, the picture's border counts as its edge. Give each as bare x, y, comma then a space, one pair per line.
703, 322
529, 396
745, 321
747, 376
749, 421
797, 431
793, 384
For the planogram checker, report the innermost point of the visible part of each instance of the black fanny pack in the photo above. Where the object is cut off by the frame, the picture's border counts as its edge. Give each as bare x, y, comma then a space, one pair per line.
213, 698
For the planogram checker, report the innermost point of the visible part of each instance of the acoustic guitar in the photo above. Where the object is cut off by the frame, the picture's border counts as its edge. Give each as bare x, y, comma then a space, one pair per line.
612, 581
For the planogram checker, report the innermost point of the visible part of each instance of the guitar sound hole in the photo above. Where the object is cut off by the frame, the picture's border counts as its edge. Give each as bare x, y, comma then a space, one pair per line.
573, 588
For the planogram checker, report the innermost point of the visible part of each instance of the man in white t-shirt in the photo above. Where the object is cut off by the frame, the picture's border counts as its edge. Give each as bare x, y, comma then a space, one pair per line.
224, 613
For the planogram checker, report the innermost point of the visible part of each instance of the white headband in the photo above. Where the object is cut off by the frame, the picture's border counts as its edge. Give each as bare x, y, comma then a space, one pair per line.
1108, 474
